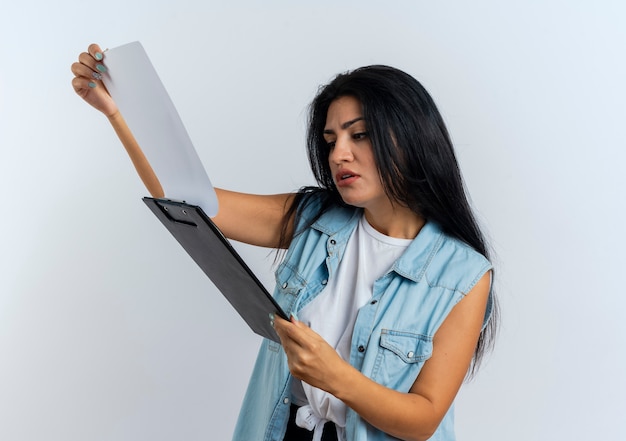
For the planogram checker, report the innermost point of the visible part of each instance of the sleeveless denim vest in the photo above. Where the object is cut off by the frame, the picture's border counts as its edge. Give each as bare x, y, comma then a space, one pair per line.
393, 333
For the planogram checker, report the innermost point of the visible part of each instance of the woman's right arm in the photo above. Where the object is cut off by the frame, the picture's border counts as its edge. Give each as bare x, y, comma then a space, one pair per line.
248, 218
88, 85
253, 219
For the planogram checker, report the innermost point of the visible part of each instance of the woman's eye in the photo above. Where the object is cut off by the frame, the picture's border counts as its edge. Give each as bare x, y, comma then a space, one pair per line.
330, 144
360, 135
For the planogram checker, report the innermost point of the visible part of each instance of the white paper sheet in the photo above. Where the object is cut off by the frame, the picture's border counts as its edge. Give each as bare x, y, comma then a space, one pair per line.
152, 118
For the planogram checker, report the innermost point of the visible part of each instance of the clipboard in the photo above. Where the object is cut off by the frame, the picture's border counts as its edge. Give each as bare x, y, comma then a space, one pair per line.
214, 254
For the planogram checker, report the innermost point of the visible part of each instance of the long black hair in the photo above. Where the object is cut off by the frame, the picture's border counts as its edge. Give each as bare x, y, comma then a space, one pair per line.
413, 152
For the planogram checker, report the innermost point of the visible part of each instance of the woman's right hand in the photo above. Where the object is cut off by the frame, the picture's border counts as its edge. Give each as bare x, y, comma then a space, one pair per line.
87, 81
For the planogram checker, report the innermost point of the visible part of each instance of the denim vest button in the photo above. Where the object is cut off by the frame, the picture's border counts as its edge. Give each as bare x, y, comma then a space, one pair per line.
410, 354
373, 302
285, 285
333, 242
361, 348
324, 282
286, 400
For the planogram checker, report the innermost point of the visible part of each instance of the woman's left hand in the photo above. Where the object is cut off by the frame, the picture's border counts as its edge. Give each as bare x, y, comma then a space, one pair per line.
310, 358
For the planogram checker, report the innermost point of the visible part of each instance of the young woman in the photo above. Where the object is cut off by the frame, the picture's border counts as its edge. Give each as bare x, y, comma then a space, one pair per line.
385, 272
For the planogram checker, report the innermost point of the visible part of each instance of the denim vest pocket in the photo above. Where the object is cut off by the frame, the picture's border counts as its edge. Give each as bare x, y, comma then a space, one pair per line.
400, 357
288, 286
288, 281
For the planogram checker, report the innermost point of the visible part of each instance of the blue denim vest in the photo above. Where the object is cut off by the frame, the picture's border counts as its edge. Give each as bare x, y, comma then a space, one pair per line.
393, 333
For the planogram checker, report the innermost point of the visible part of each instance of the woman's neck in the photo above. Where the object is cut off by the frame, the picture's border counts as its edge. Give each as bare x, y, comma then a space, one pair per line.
398, 222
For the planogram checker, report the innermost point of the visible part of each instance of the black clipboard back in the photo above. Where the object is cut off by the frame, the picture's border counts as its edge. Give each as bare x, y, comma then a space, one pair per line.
214, 254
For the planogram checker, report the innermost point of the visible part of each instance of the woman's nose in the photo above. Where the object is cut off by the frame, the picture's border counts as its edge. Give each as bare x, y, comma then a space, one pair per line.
341, 152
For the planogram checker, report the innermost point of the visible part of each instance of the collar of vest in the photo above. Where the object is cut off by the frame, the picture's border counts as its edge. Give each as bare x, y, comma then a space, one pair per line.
339, 223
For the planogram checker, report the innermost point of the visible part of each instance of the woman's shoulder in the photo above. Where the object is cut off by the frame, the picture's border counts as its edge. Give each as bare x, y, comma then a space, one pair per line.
456, 264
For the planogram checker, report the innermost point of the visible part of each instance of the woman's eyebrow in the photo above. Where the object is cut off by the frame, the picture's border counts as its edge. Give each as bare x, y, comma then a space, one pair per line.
344, 125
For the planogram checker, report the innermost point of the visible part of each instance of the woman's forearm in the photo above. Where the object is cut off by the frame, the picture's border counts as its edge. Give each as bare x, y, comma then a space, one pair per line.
143, 167
407, 416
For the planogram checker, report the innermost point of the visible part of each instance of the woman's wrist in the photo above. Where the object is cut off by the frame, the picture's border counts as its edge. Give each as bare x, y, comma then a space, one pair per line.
342, 381
114, 117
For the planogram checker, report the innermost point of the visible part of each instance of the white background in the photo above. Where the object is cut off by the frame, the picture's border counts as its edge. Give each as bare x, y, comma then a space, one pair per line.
108, 331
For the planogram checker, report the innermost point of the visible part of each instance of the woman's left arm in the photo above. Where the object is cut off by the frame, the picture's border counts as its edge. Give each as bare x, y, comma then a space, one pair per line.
409, 416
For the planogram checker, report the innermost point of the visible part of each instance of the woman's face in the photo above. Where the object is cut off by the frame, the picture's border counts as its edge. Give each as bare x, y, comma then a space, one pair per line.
351, 157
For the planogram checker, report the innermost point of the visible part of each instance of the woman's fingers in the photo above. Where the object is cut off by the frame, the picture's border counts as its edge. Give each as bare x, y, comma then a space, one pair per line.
290, 330
93, 64
82, 71
95, 51
87, 82
297, 338
82, 86
309, 356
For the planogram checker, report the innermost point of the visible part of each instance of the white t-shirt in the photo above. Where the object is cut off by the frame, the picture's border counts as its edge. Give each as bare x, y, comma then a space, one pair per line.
369, 255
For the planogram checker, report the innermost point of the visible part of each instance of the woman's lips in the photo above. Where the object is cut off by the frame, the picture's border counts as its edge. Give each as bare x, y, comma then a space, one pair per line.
345, 177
